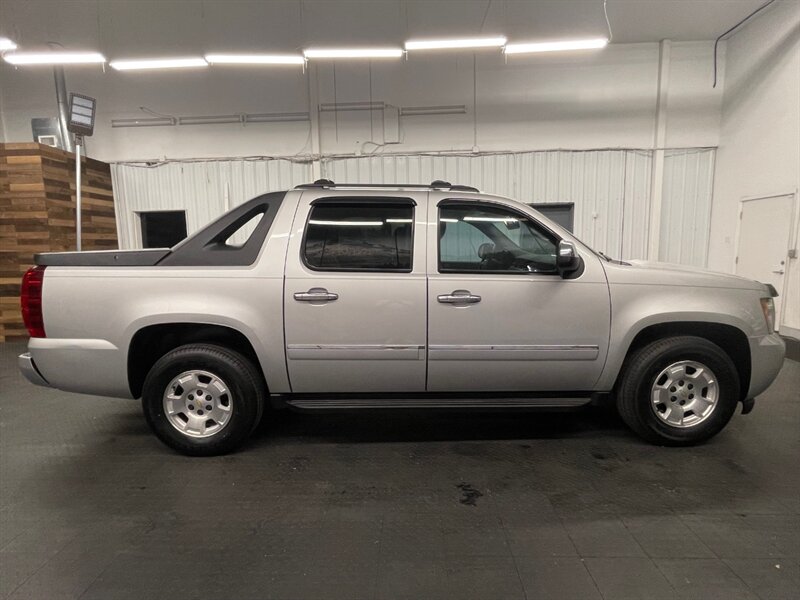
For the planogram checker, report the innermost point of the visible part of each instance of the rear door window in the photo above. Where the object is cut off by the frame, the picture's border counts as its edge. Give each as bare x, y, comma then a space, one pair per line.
359, 236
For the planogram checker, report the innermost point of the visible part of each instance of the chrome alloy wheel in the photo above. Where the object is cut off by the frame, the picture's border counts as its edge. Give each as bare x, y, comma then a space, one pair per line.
198, 404
684, 394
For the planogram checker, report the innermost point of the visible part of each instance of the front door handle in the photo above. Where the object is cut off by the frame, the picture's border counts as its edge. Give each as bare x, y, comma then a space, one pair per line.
316, 295
459, 297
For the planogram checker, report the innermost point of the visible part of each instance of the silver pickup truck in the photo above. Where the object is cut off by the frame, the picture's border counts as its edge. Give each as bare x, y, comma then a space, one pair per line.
405, 296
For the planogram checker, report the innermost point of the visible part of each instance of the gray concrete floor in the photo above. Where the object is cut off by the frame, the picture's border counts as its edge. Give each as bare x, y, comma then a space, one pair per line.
422, 506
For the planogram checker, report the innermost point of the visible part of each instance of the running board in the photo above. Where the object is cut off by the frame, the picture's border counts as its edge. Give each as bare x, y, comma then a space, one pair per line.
339, 403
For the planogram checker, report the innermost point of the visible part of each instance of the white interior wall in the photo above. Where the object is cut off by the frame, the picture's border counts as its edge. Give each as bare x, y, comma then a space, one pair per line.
580, 101
759, 148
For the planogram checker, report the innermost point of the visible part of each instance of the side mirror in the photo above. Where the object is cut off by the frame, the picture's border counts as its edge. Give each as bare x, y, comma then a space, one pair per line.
568, 261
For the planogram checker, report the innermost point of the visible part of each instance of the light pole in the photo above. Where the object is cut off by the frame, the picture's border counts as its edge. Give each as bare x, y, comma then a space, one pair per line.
81, 123
78, 144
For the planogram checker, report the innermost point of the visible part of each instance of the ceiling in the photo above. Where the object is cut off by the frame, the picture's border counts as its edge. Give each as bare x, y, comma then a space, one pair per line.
154, 27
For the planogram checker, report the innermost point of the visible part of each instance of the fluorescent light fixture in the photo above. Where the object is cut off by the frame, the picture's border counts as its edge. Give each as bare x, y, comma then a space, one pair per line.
144, 122
275, 117
53, 58
487, 42
353, 53
348, 106
555, 46
348, 223
157, 63
399, 221
418, 111
211, 120
255, 59
7, 44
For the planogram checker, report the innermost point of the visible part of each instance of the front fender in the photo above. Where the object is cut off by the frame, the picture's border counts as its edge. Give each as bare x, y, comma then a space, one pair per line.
634, 308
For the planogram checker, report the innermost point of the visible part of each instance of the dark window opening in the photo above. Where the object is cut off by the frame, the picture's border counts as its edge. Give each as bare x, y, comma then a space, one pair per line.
359, 237
163, 229
562, 213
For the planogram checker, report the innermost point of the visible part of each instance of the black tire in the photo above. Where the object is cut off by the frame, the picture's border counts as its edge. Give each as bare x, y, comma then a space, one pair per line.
239, 374
640, 372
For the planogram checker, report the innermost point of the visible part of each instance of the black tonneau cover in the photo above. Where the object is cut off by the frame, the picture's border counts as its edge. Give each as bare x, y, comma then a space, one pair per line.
102, 258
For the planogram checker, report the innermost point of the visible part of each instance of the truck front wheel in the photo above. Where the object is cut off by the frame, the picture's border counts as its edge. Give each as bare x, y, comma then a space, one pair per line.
203, 399
678, 391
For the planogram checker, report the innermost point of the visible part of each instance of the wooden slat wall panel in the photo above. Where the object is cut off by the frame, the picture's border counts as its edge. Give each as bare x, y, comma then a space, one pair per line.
37, 214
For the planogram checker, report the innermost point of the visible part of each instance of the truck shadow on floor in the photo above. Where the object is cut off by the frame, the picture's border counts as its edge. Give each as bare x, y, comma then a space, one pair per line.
438, 425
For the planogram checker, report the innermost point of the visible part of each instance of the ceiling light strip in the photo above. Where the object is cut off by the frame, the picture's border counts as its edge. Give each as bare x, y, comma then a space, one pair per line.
6, 44
255, 59
556, 46
419, 111
148, 122
276, 117
54, 58
349, 106
313, 53
485, 42
211, 120
157, 63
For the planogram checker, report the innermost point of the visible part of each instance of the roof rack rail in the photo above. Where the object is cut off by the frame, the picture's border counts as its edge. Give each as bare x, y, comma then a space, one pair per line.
437, 184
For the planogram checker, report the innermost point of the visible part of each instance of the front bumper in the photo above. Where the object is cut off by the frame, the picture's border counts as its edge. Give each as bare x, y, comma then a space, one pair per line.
28, 368
766, 359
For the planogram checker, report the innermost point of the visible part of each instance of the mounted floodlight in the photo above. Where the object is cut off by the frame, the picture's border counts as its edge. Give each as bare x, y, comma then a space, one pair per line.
158, 63
255, 59
81, 114
487, 42
6, 44
54, 58
559, 46
353, 53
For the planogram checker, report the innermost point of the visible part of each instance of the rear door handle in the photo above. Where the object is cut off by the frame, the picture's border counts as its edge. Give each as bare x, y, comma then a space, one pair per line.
316, 295
459, 297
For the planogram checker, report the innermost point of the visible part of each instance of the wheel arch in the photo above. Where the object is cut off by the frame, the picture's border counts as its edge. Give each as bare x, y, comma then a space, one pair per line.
152, 342
731, 339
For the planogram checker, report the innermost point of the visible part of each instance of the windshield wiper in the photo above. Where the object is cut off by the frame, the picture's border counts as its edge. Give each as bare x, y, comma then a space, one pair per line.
600, 254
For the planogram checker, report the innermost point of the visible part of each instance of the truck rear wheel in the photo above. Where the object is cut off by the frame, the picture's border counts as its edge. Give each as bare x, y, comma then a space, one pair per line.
678, 391
203, 399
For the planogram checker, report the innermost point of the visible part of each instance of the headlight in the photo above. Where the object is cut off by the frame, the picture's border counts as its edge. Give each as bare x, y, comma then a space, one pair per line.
768, 306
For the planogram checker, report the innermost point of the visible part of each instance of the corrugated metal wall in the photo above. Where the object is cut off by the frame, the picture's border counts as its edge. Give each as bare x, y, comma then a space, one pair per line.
204, 190
610, 189
686, 207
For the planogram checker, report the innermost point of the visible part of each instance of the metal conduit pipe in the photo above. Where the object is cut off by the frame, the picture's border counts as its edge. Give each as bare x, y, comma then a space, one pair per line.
63, 107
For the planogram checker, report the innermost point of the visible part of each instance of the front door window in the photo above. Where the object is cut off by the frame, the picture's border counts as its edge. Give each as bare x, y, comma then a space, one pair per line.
480, 239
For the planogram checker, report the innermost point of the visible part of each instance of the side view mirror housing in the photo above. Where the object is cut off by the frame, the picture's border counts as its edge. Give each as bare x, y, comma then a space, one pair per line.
568, 260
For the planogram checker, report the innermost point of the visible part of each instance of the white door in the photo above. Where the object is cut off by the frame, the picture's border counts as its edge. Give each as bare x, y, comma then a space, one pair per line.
500, 317
764, 232
354, 294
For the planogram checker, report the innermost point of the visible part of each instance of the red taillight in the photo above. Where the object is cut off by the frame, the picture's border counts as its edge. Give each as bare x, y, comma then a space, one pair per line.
31, 301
